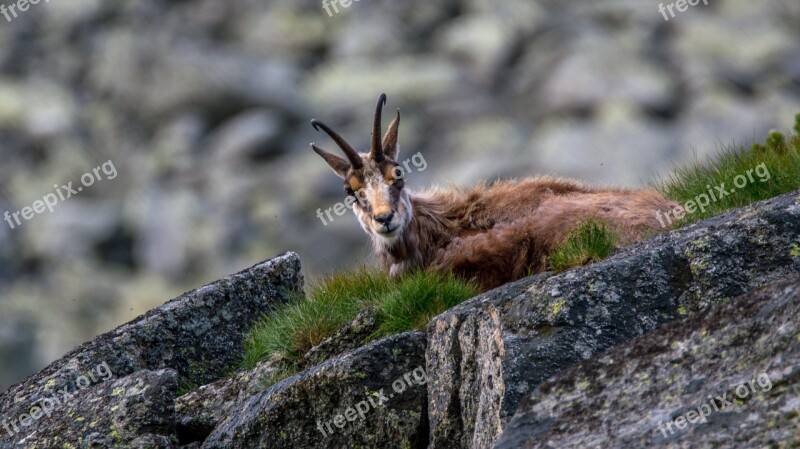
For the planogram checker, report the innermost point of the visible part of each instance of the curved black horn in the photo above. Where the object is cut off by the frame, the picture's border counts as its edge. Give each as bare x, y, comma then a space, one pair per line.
352, 155
376, 152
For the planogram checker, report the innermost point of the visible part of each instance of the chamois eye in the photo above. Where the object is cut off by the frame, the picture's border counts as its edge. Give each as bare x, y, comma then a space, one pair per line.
398, 176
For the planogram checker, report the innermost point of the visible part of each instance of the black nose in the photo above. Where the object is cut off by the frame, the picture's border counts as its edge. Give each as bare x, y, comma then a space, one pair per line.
384, 218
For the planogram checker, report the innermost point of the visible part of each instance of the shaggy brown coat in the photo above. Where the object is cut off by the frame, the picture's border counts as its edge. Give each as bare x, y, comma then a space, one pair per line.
497, 233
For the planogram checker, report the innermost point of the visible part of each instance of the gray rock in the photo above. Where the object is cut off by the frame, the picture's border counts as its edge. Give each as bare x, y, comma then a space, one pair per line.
169, 231
132, 412
198, 334
303, 411
184, 74
348, 338
340, 86
490, 352
201, 410
642, 393
482, 42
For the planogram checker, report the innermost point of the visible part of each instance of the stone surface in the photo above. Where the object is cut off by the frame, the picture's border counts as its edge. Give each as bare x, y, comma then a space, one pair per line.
291, 413
202, 410
199, 412
348, 338
490, 352
135, 411
726, 378
199, 334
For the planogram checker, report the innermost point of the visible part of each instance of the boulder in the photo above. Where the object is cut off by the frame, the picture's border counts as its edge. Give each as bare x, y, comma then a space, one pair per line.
726, 378
199, 335
371, 397
136, 411
200, 411
350, 337
490, 352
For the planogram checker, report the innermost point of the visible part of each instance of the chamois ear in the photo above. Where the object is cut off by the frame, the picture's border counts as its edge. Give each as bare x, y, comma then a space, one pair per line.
390, 147
339, 165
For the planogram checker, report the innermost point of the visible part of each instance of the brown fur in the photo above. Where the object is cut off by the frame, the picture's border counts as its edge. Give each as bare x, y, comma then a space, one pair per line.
502, 232
491, 234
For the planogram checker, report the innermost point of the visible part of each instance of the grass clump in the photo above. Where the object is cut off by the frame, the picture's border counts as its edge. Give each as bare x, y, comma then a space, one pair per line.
589, 242
762, 171
296, 327
331, 303
417, 298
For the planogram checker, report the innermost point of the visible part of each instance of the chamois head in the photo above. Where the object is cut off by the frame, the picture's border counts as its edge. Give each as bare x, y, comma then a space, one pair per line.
374, 180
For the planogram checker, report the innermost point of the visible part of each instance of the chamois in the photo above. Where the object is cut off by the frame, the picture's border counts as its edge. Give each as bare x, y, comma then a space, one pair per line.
490, 233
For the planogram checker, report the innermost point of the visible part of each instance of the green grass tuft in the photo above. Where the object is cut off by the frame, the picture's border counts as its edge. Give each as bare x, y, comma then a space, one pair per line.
404, 304
419, 297
589, 242
763, 171
298, 326
185, 387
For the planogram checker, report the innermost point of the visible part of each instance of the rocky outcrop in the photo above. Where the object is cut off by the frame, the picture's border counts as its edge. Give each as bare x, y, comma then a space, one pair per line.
348, 338
200, 411
726, 378
489, 352
198, 335
136, 411
372, 397
483, 359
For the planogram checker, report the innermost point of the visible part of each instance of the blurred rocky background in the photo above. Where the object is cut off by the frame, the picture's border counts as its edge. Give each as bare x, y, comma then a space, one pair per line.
203, 107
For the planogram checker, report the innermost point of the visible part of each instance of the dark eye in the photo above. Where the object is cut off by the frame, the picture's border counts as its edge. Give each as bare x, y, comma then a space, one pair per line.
398, 177
349, 190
